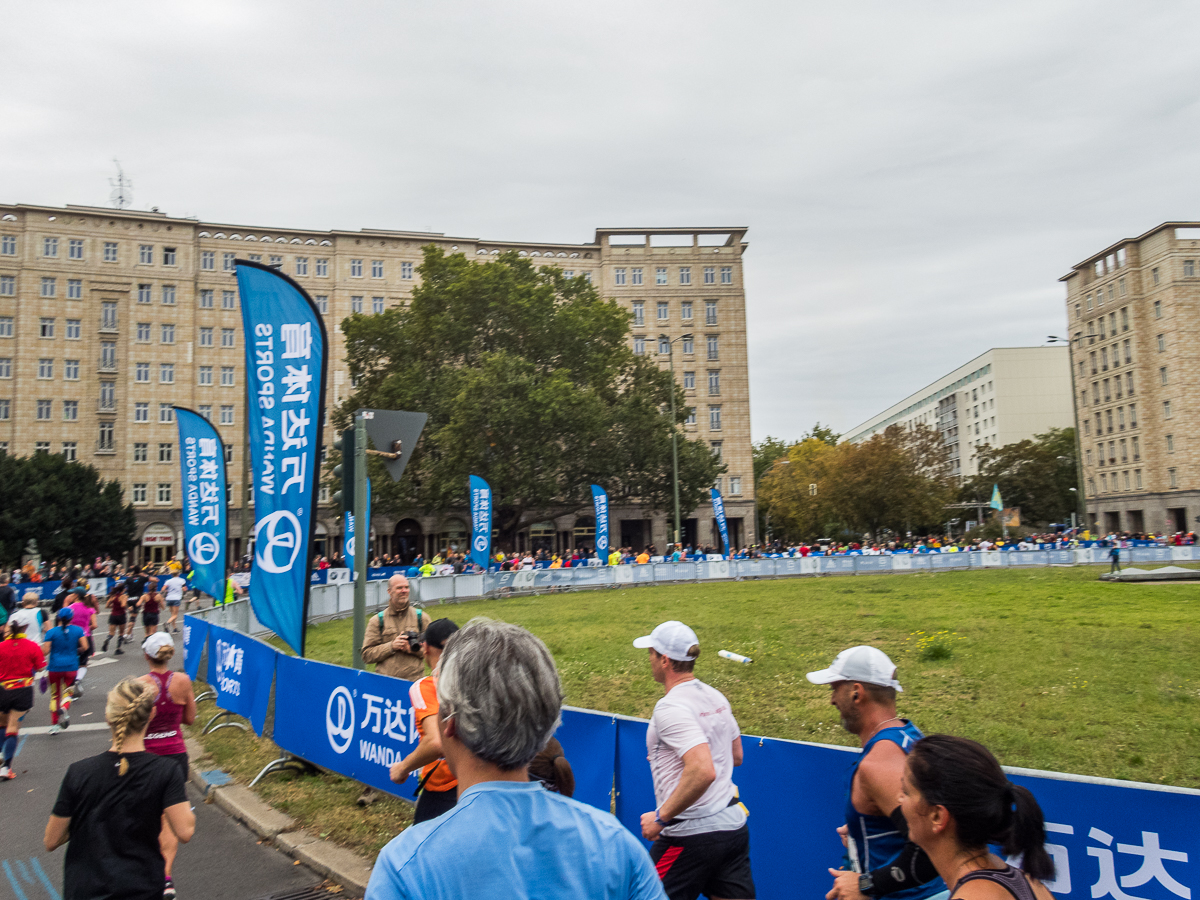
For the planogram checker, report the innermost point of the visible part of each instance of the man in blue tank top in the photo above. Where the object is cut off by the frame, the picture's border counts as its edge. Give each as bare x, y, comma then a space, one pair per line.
883, 861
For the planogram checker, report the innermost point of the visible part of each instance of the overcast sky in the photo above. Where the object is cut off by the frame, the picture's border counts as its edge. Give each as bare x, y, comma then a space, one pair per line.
915, 175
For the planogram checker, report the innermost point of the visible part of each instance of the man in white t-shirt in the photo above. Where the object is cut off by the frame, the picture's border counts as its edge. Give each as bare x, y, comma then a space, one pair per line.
30, 616
173, 590
701, 839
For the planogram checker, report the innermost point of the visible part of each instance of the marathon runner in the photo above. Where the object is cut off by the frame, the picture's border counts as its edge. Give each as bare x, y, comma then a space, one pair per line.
62, 644
20, 661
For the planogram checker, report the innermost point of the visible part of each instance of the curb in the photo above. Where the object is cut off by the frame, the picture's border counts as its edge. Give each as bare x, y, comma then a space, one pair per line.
336, 863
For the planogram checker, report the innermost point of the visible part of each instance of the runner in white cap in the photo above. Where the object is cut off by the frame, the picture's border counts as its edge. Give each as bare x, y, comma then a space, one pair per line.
701, 839
883, 861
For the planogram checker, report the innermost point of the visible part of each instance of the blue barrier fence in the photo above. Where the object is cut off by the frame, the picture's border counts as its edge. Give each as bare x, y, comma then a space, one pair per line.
1108, 838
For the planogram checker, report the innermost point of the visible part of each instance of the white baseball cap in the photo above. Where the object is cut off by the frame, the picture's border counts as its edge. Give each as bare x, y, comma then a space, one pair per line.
156, 641
866, 664
671, 639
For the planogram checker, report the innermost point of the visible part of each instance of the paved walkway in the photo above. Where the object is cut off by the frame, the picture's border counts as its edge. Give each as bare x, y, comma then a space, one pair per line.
223, 859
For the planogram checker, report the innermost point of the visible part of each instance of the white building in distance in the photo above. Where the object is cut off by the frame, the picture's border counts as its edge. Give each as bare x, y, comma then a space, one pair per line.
1002, 396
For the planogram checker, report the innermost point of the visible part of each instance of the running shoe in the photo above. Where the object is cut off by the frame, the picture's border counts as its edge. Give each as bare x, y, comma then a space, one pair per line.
55, 728
119, 652
169, 890
4, 770
12, 773
76, 690
64, 719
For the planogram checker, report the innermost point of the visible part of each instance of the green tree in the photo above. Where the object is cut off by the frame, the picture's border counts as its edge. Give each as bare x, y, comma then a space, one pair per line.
1036, 475
66, 507
529, 382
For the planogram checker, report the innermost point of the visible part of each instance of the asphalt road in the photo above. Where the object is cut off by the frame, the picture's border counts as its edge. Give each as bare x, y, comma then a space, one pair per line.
223, 859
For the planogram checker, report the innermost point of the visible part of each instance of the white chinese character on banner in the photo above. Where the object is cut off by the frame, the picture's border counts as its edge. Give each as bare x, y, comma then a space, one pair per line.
373, 711
209, 491
297, 341
211, 515
1152, 866
297, 381
208, 468
296, 464
208, 447
393, 721
294, 425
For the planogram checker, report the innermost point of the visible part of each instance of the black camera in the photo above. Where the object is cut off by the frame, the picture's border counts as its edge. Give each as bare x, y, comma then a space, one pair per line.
415, 640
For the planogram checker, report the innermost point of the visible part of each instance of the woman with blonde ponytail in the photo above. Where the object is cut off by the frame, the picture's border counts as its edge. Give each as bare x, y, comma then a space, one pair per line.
111, 808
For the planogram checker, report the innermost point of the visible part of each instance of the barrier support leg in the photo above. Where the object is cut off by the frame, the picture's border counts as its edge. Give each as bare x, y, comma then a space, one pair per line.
209, 694
209, 728
287, 762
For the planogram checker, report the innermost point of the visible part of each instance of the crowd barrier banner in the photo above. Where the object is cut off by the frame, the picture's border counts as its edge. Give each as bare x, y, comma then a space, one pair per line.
589, 742
240, 670
195, 637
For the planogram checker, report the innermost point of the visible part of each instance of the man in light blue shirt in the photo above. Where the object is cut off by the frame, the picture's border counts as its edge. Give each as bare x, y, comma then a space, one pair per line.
500, 702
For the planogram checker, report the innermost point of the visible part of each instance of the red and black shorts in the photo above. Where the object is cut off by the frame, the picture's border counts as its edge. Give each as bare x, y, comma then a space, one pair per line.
716, 864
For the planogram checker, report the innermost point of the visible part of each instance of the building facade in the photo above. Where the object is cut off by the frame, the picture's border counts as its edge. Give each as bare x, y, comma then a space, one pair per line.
109, 317
1005, 395
1135, 350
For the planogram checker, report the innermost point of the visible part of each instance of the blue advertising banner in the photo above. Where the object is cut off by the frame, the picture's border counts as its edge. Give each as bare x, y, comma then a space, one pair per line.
285, 372
240, 670
600, 502
719, 511
352, 722
195, 636
202, 461
589, 742
481, 522
352, 532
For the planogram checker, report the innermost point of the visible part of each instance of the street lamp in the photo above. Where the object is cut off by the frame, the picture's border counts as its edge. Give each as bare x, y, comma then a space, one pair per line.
663, 339
1078, 489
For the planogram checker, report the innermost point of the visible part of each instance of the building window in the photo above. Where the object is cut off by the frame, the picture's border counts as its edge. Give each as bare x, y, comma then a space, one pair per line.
689, 381
45, 368
69, 450
206, 299
8, 245
146, 254
163, 496
1088, 456
168, 256
726, 274
710, 275
1154, 275
1133, 415
206, 411
143, 293
208, 260
46, 327
714, 418
49, 287
74, 289
139, 492
166, 413
141, 453
228, 261
6, 367
5, 410
685, 275
1172, 482
226, 376
141, 412
714, 382
168, 334
108, 356
377, 268
1137, 449
206, 337
301, 265
1162, 374
1170, 443
6, 326
165, 453
143, 332
710, 312
229, 455
322, 268
43, 410
356, 268
1162, 343
1137, 478
639, 313
227, 415
660, 275
664, 346
50, 247
75, 249
685, 310
406, 271
1189, 268
168, 295
635, 276
663, 312
356, 304
206, 376
228, 300
227, 337
689, 344
639, 346
322, 304
1128, 347
106, 437
376, 305
1166, 409
277, 263
712, 347
716, 448
691, 417
735, 484
618, 276
8, 286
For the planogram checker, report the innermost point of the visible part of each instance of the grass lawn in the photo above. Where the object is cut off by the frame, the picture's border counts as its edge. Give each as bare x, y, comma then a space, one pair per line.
1050, 668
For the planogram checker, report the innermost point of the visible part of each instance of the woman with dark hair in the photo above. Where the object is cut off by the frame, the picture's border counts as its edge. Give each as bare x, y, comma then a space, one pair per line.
957, 800
553, 770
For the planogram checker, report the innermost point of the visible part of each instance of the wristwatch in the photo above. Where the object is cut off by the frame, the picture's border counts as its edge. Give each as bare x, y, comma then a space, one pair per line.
866, 884
658, 819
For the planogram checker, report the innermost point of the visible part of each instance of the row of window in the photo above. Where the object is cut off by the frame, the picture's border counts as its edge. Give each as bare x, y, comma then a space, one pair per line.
1113, 387
1111, 484
735, 484
1108, 417
1100, 359
688, 343
637, 277
141, 411
685, 312
74, 331
1121, 446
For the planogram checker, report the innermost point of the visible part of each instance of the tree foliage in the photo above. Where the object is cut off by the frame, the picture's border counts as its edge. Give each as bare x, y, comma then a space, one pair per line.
66, 507
529, 382
1036, 475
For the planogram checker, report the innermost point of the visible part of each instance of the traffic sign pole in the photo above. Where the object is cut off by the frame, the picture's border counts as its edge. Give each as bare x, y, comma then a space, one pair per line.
362, 537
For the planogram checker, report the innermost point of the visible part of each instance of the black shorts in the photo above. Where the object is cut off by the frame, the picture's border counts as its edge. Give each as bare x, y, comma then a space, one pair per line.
116, 620
149, 618
716, 864
181, 760
432, 804
16, 699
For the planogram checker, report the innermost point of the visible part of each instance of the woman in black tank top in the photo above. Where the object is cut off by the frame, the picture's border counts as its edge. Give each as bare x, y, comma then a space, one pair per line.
957, 800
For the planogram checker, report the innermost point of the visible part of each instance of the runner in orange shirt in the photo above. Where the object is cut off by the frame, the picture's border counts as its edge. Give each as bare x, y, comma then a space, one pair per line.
438, 789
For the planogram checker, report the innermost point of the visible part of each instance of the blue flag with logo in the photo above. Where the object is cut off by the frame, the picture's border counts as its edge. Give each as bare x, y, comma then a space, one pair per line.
600, 502
996, 503
719, 511
205, 509
285, 374
352, 531
481, 522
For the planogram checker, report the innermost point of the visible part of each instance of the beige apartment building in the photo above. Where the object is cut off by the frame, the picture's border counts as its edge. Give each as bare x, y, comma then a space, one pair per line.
1134, 314
109, 317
